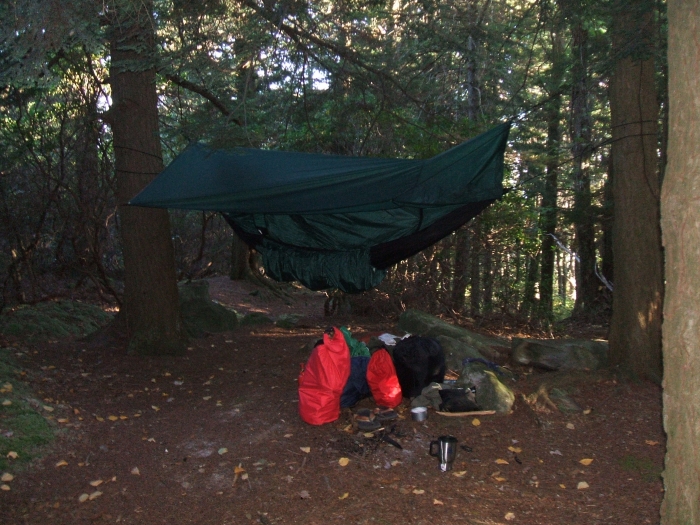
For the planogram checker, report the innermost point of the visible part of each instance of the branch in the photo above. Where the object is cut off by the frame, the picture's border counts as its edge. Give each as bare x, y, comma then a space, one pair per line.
204, 92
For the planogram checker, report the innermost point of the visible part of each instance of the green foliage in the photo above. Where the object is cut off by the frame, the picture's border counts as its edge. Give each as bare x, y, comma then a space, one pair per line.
22, 429
52, 320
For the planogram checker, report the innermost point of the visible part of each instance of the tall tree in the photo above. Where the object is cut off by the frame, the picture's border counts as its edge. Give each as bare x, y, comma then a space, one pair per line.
680, 221
580, 132
150, 312
635, 330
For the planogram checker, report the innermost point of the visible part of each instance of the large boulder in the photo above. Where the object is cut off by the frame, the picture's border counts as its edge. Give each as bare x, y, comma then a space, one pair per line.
457, 351
420, 323
200, 314
560, 354
491, 392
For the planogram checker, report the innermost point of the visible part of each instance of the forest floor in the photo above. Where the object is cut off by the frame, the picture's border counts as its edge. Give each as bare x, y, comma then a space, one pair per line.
214, 437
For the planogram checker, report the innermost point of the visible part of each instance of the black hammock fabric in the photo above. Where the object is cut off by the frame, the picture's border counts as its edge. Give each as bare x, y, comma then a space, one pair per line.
331, 221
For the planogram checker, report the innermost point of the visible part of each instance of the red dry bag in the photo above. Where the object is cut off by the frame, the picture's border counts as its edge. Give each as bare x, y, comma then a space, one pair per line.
323, 378
382, 380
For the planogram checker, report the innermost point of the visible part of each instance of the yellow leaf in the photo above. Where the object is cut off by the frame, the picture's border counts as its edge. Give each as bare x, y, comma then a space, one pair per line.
62, 463
155, 408
12, 454
83, 498
343, 462
344, 496
395, 463
499, 479
437, 502
510, 516
206, 398
651, 443
244, 476
7, 477
94, 495
562, 485
222, 451
48, 408
305, 449
418, 491
112, 418
500, 461
368, 435
135, 471
459, 474
288, 435
476, 422
515, 450
4, 487
587, 411
62, 420
586, 461
96, 483
7, 387
123, 417
570, 426
582, 485
238, 470
98, 418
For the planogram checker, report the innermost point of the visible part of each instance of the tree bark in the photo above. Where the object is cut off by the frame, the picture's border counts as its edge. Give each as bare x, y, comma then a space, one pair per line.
586, 282
150, 313
635, 329
475, 270
680, 221
240, 255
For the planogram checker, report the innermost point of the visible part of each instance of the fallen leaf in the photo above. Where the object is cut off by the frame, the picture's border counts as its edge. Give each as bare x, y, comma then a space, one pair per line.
651, 443
152, 440
7, 477
288, 435
437, 502
7, 387
96, 483
12, 454
135, 471
476, 422
112, 418
395, 463
4, 487
244, 476
304, 494
305, 449
586, 461
62, 463
48, 408
509, 516
6, 403
343, 462
348, 428
206, 398
418, 491
582, 485
368, 434
556, 452
344, 496
222, 451
94, 495
587, 411
62, 420
500, 461
76, 411
570, 426
238, 470
155, 408
123, 417
83, 498
562, 485
459, 474
515, 450
500, 479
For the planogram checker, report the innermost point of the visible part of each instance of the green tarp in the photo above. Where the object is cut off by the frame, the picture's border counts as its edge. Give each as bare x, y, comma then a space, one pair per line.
330, 221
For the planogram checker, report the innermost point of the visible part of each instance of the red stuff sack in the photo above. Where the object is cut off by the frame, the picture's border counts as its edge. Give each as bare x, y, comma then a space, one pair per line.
382, 380
323, 378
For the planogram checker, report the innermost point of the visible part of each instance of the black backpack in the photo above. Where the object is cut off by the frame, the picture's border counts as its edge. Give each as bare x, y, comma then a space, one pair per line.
419, 361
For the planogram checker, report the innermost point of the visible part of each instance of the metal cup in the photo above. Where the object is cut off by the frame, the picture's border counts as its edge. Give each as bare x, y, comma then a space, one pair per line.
445, 449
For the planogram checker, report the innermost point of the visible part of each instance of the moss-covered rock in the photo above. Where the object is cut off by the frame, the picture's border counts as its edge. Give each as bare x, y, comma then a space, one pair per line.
53, 320
255, 319
420, 323
491, 392
561, 354
200, 314
457, 351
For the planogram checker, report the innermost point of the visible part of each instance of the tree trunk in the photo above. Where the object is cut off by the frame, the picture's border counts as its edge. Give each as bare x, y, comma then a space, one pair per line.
475, 270
548, 215
635, 328
459, 281
240, 267
680, 221
150, 312
586, 282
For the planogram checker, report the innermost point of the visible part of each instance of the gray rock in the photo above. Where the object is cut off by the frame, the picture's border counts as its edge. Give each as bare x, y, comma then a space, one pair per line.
420, 323
288, 321
200, 314
561, 354
456, 351
491, 393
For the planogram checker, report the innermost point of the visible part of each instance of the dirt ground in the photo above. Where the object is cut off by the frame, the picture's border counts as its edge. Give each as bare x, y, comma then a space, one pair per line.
214, 437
